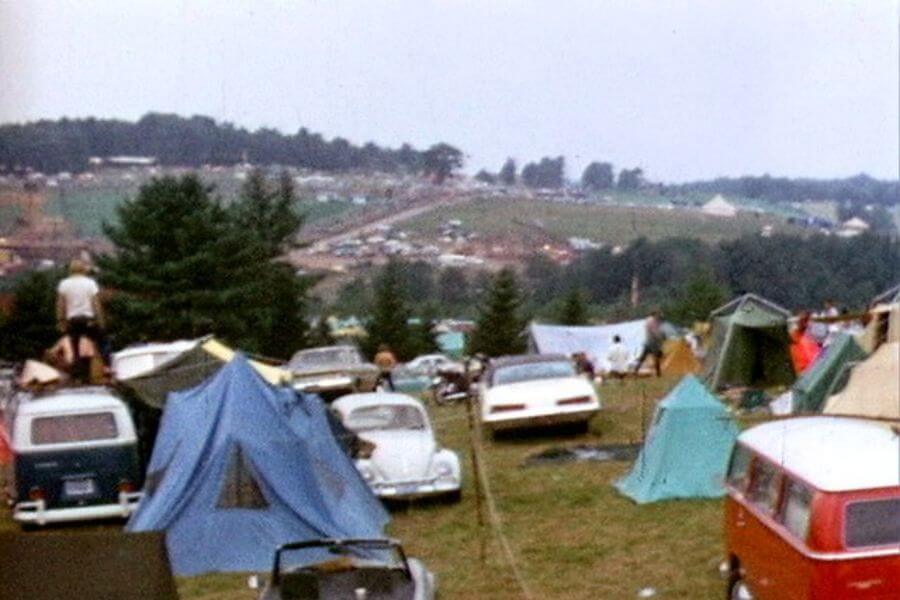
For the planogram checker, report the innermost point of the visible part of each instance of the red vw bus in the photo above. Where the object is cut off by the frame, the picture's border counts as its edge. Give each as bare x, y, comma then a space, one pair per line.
813, 511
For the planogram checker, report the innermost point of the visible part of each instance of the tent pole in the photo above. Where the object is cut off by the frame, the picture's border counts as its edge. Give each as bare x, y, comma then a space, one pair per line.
475, 452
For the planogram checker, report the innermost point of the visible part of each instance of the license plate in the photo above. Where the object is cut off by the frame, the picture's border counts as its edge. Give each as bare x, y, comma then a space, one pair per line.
403, 490
79, 487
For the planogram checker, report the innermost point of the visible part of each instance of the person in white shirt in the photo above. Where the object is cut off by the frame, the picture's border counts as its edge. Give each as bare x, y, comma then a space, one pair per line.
618, 357
79, 312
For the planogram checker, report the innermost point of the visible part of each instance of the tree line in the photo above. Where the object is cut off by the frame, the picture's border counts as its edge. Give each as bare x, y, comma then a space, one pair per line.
52, 146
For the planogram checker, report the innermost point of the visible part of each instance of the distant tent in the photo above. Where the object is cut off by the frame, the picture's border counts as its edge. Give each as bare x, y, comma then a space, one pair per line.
679, 359
873, 388
811, 390
686, 451
595, 340
451, 343
750, 345
240, 467
718, 206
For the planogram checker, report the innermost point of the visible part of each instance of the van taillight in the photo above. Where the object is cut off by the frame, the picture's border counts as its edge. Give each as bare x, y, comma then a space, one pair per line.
126, 487
35, 494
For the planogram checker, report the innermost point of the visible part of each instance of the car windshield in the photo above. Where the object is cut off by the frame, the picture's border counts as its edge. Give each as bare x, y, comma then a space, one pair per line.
66, 429
356, 554
330, 356
533, 370
385, 417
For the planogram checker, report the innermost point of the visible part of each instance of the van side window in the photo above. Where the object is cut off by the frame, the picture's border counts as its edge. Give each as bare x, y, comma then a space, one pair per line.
872, 523
739, 467
763, 489
64, 429
796, 510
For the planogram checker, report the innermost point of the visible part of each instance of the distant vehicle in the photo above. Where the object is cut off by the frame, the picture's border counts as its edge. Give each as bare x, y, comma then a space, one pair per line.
406, 462
535, 390
813, 511
430, 364
76, 457
332, 370
369, 569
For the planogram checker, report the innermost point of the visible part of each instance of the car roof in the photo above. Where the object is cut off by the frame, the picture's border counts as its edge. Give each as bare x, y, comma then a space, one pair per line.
352, 401
156, 348
68, 400
831, 453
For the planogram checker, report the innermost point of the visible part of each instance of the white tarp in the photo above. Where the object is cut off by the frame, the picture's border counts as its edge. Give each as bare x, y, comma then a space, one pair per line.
593, 340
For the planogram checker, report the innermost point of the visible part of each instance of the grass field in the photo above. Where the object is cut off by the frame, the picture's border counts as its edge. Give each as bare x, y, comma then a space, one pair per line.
572, 533
611, 224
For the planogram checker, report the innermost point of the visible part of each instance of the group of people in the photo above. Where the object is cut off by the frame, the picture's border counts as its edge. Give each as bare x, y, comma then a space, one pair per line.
618, 356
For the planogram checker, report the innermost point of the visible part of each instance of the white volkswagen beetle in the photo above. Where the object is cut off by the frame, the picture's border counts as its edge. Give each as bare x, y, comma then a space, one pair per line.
535, 390
406, 462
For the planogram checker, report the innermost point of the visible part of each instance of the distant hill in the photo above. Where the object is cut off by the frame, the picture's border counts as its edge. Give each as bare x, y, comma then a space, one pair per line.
68, 144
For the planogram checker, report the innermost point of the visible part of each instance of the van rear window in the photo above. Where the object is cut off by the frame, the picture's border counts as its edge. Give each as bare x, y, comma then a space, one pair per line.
65, 429
873, 523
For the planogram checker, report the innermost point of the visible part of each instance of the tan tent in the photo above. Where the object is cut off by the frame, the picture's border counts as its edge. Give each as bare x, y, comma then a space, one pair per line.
679, 359
873, 389
884, 326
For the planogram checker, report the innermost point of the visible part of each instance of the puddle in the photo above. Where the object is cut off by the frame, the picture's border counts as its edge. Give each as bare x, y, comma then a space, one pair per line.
584, 452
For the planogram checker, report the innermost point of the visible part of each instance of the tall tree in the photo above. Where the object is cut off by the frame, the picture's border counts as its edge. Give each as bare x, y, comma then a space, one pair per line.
185, 266
630, 179
268, 211
548, 173
507, 173
390, 312
574, 308
696, 298
499, 326
31, 327
441, 160
598, 176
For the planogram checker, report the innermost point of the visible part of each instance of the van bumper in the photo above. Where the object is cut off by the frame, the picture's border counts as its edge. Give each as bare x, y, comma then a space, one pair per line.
36, 512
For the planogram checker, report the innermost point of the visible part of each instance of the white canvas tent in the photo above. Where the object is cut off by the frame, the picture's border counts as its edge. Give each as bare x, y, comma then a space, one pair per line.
718, 206
594, 340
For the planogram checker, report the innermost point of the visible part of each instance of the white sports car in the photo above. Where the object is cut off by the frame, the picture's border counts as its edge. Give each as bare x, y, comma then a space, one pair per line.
534, 390
406, 462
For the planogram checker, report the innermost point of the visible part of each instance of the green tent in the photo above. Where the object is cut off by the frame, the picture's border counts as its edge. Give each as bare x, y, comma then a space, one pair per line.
813, 387
750, 345
687, 448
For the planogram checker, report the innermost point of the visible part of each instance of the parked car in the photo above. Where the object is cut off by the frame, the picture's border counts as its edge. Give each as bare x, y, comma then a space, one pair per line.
535, 390
406, 461
76, 457
332, 370
370, 569
430, 364
142, 358
813, 511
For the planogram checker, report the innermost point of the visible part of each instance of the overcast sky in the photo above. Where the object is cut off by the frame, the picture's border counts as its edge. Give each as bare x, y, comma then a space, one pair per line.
686, 90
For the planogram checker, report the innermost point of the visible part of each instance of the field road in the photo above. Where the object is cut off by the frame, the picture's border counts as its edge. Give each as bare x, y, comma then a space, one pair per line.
424, 205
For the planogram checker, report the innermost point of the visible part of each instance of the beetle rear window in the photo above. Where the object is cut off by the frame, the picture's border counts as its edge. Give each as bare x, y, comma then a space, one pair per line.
65, 429
873, 523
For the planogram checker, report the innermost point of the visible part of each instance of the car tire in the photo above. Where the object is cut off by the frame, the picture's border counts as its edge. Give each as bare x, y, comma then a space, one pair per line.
738, 589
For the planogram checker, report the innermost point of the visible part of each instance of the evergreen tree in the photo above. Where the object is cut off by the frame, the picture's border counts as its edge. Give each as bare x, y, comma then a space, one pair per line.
507, 173
186, 266
390, 313
696, 298
574, 309
31, 327
268, 211
499, 326
598, 176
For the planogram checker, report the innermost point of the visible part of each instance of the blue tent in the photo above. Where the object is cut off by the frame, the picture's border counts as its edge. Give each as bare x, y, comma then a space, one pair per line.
240, 467
686, 451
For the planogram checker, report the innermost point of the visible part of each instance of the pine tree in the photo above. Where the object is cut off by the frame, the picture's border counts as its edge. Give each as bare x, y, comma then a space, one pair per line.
507, 173
30, 328
574, 309
186, 266
499, 326
390, 313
